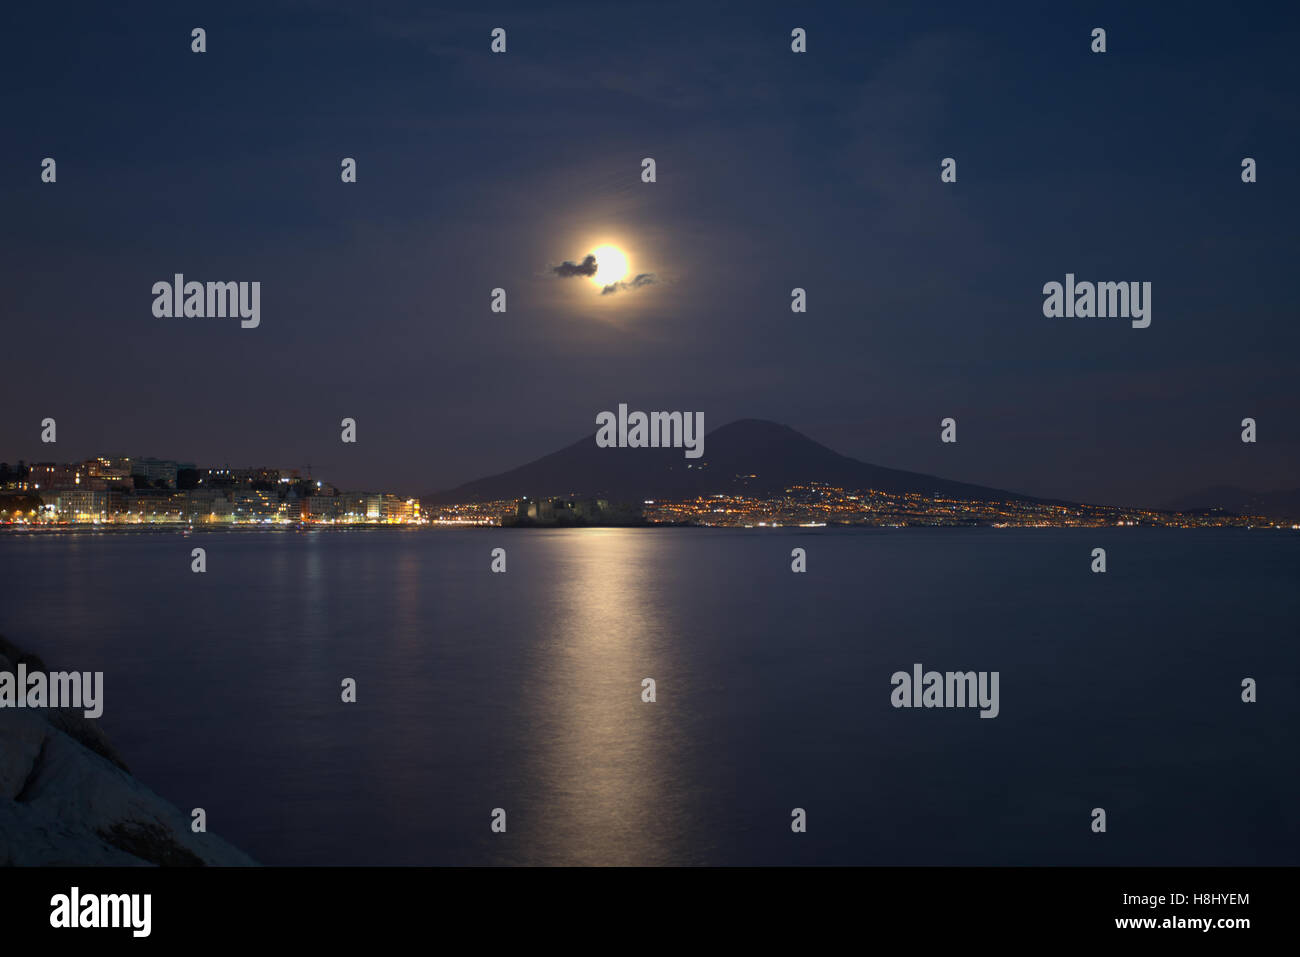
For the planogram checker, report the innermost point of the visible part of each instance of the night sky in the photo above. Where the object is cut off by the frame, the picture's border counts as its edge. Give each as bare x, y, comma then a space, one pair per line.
774, 170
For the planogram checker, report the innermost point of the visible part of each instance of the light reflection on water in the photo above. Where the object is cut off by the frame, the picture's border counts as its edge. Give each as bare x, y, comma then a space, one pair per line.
523, 691
602, 757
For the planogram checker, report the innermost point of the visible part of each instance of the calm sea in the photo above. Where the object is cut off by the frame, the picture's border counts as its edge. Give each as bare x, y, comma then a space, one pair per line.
522, 691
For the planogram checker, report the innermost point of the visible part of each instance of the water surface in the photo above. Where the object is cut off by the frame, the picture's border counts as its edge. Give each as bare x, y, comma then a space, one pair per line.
523, 691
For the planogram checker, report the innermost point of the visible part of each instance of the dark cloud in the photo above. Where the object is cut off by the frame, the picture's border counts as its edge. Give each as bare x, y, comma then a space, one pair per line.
585, 268
642, 279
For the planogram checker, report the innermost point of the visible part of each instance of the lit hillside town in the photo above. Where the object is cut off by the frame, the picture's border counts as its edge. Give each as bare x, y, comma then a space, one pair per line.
817, 504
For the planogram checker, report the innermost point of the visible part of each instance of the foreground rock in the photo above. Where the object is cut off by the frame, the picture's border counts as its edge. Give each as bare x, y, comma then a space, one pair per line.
67, 797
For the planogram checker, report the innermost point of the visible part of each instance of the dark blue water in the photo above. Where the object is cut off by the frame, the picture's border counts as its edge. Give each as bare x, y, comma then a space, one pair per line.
523, 691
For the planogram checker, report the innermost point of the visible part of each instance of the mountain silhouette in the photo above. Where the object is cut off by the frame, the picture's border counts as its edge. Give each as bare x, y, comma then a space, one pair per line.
751, 457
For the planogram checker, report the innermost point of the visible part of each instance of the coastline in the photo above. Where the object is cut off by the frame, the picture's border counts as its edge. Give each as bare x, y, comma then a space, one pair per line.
183, 530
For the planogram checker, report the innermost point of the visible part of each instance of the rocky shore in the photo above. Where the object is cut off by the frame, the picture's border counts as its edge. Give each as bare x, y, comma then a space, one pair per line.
67, 797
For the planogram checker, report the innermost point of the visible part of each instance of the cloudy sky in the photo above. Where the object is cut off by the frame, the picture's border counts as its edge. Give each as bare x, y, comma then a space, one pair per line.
774, 170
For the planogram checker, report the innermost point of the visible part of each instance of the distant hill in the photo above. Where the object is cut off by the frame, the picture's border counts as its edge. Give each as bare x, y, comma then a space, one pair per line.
1240, 501
750, 456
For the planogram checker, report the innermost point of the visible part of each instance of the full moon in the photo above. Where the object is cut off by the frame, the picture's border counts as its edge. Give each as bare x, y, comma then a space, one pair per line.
611, 265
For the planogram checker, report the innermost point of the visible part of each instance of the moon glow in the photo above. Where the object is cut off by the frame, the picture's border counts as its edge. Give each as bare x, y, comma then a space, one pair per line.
611, 265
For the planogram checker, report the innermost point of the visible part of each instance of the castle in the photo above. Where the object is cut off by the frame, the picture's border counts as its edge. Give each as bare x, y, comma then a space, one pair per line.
573, 512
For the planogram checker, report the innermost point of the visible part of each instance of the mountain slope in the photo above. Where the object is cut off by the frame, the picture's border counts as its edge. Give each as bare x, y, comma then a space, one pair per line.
750, 456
